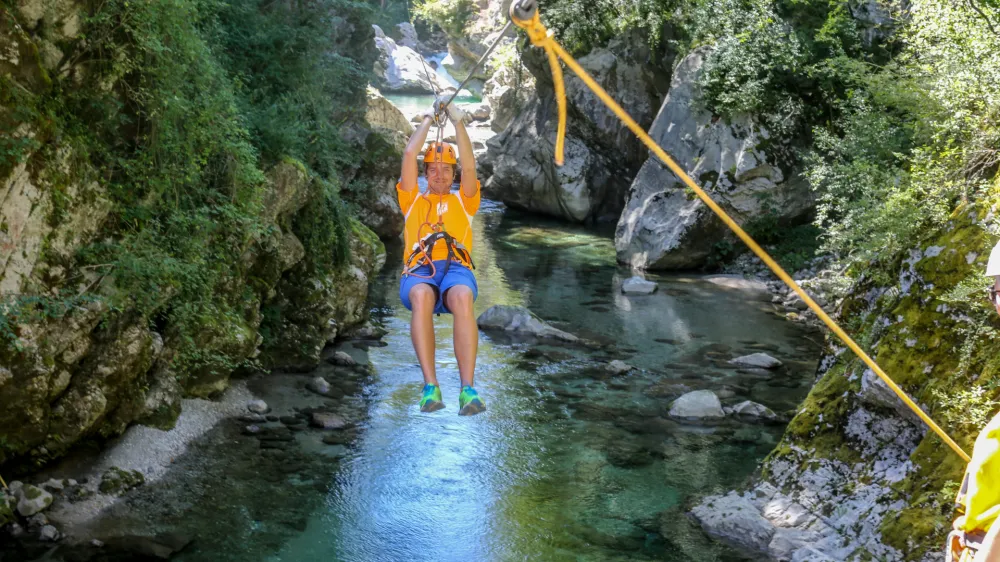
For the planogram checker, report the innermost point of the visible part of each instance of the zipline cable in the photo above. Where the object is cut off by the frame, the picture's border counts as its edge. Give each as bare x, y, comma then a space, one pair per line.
525, 14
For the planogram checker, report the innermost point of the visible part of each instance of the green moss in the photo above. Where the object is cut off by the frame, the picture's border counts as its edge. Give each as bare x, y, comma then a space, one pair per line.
117, 481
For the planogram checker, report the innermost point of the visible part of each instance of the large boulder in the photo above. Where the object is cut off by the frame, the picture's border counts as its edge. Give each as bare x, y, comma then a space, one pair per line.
601, 154
736, 520
383, 114
745, 171
401, 69
510, 88
700, 404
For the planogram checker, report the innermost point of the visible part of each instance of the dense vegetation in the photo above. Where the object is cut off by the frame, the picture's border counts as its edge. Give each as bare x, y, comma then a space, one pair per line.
179, 106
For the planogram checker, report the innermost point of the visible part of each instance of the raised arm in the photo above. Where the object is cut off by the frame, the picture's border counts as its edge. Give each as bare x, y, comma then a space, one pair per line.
465, 153
409, 174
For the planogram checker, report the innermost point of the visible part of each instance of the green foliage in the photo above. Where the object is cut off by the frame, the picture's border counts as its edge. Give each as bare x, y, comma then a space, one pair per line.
26, 309
293, 91
970, 407
17, 105
450, 15
582, 25
322, 229
915, 138
182, 106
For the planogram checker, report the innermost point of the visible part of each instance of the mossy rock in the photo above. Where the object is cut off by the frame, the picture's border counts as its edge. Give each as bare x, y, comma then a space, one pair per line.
117, 481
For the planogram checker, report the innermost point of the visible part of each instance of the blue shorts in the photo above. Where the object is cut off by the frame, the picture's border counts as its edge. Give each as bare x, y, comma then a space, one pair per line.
458, 274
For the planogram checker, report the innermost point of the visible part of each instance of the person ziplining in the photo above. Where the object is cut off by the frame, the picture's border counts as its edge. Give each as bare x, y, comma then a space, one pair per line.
437, 271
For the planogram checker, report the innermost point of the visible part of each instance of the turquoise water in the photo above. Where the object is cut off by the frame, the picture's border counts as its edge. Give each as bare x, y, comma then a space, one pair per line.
568, 463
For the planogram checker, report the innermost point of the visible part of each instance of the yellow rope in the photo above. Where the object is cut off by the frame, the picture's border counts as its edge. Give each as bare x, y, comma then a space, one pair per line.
3, 483
540, 37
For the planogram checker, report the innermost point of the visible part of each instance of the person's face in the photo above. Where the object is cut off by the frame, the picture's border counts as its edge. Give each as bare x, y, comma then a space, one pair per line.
440, 176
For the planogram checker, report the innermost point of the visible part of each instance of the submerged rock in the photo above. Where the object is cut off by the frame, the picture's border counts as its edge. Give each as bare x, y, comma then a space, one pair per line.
638, 286
325, 420
521, 321
116, 481
697, 405
618, 367
757, 360
736, 520
754, 410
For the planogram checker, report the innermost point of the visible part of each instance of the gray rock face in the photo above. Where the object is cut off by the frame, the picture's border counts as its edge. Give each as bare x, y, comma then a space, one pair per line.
874, 392
409, 36
476, 111
758, 361
601, 156
736, 520
382, 113
663, 225
699, 404
508, 90
638, 286
401, 69
520, 321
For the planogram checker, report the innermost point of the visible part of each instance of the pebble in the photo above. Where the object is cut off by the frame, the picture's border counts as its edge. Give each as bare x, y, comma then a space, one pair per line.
258, 407
253, 418
252, 430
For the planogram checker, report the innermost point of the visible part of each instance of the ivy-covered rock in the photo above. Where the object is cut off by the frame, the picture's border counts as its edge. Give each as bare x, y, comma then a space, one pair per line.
857, 470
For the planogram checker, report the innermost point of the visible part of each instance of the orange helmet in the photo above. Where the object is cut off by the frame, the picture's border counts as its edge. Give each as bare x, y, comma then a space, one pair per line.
440, 152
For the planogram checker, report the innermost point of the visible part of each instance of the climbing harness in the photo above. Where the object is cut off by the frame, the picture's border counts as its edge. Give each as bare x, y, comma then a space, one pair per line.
524, 13
423, 250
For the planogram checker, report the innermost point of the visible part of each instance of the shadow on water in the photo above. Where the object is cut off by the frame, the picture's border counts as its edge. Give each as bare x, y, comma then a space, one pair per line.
570, 462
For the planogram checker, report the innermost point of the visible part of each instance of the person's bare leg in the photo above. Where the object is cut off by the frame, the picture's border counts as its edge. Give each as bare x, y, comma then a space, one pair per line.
423, 299
459, 300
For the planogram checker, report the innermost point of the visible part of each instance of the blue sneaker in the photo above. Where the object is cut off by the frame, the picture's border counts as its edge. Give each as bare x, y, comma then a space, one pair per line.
431, 400
469, 402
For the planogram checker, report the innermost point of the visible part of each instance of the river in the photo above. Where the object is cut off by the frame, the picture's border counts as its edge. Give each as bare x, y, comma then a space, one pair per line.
569, 462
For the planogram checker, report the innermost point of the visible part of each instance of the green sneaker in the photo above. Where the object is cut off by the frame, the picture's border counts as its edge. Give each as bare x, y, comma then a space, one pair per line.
431, 401
469, 402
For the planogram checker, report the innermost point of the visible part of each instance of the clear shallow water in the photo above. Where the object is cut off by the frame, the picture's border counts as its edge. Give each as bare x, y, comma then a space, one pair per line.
568, 463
